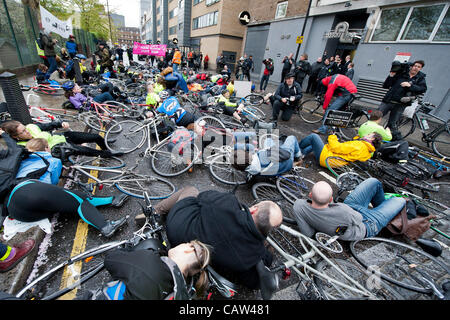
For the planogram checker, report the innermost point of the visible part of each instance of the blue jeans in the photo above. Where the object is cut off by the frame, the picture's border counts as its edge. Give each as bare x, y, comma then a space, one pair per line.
175, 67
312, 143
291, 145
336, 105
383, 211
53, 65
102, 97
264, 82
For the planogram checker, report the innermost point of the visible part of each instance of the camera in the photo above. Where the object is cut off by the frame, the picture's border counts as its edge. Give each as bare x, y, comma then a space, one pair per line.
400, 67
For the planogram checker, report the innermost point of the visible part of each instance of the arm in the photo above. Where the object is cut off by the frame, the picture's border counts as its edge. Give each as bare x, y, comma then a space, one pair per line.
390, 80
49, 126
329, 95
277, 93
419, 87
303, 226
342, 148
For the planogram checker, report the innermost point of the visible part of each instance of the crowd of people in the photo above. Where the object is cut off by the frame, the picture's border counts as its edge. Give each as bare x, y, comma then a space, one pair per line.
209, 227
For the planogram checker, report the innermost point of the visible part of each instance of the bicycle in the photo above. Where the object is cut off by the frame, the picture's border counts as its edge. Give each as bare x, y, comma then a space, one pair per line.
127, 181
52, 88
403, 266
311, 111
439, 137
152, 229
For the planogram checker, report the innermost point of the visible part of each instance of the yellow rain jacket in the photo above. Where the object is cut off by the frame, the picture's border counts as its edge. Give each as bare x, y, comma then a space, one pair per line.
356, 150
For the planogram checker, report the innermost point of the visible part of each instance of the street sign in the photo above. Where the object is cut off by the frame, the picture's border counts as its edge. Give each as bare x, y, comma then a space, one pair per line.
299, 39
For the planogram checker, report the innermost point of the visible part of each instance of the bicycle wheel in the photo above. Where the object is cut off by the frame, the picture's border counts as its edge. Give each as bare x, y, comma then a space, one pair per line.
254, 99
294, 187
100, 124
311, 111
131, 136
135, 185
212, 123
406, 126
400, 264
116, 108
222, 169
358, 118
169, 161
266, 191
441, 143
254, 113
94, 163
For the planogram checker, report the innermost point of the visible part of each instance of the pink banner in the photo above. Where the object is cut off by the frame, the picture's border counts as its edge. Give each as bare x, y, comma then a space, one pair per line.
158, 50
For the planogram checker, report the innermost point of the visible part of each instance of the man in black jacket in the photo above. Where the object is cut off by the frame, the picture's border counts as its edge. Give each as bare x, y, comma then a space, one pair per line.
312, 81
235, 232
286, 98
287, 62
401, 84
302, 69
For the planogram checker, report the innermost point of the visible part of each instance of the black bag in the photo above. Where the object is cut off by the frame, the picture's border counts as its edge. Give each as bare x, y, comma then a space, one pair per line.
394, 151
11, 155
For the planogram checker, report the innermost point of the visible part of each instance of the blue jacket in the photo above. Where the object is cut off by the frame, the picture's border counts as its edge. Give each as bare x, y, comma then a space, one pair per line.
172, 108
71, 46
34, 162
181, 83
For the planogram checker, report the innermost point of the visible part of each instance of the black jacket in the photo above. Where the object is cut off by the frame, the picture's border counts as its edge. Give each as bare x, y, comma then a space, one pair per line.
396, 91
219, 220
49, 46
147, 275
287, 64
325, 71
315, 68
302, 69
283, 91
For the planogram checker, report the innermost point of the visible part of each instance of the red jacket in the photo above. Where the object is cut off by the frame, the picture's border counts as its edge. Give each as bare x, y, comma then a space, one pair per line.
334, 82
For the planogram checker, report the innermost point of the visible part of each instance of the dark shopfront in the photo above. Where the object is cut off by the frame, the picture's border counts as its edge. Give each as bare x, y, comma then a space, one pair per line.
346, 33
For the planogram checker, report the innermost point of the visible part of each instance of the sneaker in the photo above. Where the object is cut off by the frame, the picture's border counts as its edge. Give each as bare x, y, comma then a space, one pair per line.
22, 250
112, 226
119, 200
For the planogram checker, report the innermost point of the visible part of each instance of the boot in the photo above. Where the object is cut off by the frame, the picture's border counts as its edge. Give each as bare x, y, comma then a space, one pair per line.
119, 200
268, 281
112, 226
22, 250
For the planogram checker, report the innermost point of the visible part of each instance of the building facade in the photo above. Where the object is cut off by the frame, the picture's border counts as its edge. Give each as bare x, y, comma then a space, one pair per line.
126, 36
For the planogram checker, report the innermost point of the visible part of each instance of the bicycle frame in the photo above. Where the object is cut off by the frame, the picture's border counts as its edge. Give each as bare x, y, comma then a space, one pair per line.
419, 117
303, 259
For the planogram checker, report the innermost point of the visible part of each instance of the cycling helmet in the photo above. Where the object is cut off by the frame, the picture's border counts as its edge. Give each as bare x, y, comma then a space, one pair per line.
68, 85
164, 94
80, 56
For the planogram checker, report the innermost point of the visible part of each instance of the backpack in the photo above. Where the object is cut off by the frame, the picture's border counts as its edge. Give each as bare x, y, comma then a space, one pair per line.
394, 151
69, 65
11, 155
39, 41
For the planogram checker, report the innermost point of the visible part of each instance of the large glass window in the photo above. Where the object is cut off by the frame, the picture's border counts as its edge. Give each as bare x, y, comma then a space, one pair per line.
417, 23
281, 10
206, 20
422, 22
389, 25
210, 2
443, 33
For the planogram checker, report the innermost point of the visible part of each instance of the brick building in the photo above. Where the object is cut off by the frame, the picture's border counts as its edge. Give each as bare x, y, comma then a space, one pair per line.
127, 36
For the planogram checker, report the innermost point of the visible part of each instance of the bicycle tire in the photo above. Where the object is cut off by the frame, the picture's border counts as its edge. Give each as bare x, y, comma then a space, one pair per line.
94, 163
222, 169
294, 187
406, 126
254, 99
99, 124
262, 191
351, 130
254, 113
212, 123
166, 162
135, 185
381, 248
441, 143
311, 111
132, 134
116, 108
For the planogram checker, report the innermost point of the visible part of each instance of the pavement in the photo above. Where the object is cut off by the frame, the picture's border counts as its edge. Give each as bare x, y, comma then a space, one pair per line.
12, 281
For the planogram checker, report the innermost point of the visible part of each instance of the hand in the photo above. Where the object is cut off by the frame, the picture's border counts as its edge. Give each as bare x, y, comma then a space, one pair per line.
284, 100
405, 84
1, 132
292, 98
65, 125
391, 74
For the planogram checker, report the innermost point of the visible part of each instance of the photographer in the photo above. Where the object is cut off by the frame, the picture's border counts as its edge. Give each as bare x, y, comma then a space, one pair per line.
404, 82
268, 71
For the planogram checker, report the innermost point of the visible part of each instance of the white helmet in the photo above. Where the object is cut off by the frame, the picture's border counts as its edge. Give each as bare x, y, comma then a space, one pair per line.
164, 95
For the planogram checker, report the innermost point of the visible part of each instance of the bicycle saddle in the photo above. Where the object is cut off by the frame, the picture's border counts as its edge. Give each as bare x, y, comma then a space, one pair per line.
268, 281
430, 246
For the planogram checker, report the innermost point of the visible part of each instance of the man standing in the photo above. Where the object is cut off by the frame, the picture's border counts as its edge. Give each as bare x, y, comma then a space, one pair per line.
119, 52
176, 60
49, 51
312, 81
248, 65
287, 62
341, 85
402, 83
130, 54
350, 72
286, 98
302, 69
71, 46
268, 70
347, 62
105, 58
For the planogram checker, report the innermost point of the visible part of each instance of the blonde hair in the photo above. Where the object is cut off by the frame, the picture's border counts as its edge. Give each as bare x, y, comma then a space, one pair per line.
36, 144
203, 255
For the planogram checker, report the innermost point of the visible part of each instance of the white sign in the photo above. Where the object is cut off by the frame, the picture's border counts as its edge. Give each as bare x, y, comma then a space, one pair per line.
242, 88
52, 24
402, 56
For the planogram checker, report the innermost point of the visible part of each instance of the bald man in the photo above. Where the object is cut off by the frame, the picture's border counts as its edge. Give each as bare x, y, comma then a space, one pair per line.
236, 232
320, 214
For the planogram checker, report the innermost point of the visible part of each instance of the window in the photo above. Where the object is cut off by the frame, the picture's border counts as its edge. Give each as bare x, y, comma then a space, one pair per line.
173, 30
171, 14
197, 2
210, 2
425, 23
206, 20
281, 10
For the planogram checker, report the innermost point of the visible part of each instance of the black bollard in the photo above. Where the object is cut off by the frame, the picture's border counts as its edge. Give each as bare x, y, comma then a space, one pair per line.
76, 67
15, 100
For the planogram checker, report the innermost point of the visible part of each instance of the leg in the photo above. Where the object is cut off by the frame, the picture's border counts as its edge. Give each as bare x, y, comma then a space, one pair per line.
77, 137
291, 144
368, 191
165, 205
287, 113
336, 105
102, 97
312, 143
277, 106
394, 117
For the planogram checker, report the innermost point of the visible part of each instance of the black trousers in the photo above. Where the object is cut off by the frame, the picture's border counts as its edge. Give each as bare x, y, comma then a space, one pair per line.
312, 84
76, 138
287, 110
395, 112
